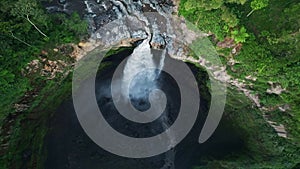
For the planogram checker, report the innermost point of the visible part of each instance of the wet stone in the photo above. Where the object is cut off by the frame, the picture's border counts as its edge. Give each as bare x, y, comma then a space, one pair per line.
62, 1
158, 42
140, 34
105, 18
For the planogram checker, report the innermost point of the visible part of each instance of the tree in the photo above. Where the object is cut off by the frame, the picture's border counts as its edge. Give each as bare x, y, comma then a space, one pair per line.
211, 4
75, 24
292, 15
240, 35
257, 5
229, 18
27, 9
206, 15
237, 1
206, 4
7, 29
190, 4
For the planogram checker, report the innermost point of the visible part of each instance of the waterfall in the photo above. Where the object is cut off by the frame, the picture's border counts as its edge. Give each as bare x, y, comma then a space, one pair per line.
142, 73
140, 69
89, 9
162, 61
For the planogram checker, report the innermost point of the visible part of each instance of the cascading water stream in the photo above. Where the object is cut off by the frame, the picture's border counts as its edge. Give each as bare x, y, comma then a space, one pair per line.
138, 81
138, 64
141, 74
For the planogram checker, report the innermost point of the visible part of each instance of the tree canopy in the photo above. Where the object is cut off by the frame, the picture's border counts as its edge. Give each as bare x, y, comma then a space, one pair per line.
257, 5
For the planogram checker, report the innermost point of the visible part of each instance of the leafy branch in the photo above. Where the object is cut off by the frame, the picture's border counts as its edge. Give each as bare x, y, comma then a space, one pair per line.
26, 9
257, 5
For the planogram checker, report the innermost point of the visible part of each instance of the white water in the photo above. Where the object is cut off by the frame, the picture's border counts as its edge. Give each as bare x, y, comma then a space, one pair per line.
141, 63
89, 8
141, 66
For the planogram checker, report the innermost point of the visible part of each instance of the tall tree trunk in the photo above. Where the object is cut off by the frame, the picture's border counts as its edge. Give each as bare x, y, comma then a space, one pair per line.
12, 34
27, 17
250, 12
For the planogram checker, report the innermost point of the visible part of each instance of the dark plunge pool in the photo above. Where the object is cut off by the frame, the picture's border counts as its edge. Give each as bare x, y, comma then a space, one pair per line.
68, 146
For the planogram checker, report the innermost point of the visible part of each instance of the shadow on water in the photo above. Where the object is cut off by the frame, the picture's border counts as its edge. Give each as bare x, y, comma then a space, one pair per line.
68, 147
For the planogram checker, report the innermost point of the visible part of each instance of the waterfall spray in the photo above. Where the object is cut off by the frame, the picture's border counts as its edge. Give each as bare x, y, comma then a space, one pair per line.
140, 66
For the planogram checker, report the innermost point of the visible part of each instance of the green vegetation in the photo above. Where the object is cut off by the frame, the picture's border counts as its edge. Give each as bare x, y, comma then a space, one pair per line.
23, 29
28, 33
24, 9
257, 5
30, 128
263, 148
206, 15
266, 37
267, 48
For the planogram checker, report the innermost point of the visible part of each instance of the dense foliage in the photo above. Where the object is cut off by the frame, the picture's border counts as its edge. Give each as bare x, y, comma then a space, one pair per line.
27, 33
268, 32
25, 30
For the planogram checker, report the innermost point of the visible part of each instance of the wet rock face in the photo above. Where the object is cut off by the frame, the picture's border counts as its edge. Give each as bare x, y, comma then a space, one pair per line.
158, 42
101, 15
62, 1
113, 21
136, 19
